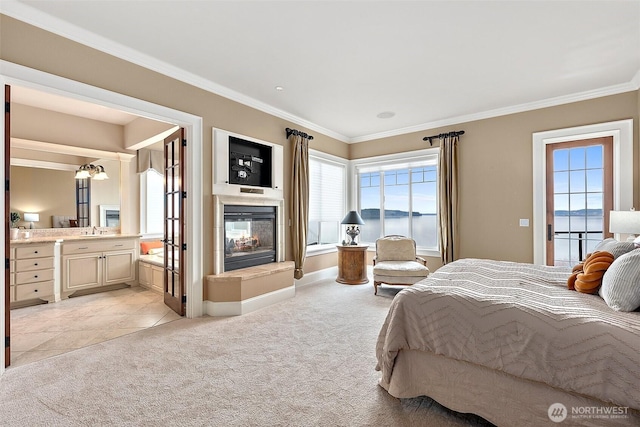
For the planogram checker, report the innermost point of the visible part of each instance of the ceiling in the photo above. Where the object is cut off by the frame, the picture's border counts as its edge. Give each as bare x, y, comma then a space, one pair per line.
343, 63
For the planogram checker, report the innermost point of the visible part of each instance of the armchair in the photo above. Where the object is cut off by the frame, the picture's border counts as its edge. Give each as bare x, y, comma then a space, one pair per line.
396, 262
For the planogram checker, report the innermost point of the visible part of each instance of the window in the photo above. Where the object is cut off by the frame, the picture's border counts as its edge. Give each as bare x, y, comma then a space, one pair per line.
400, 196
151, 202
327, 205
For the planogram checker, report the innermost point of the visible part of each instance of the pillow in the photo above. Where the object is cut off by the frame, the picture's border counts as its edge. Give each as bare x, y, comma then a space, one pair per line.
621, 283
587, 276
615, 247
145, 246
156, 251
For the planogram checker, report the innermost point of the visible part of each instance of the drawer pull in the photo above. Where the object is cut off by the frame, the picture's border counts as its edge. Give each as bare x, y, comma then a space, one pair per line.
36, 264
35, 277
84, 247
35, 290
118, 245
36, 251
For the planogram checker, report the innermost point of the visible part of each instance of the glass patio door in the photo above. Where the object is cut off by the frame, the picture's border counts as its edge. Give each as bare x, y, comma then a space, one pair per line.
579, 198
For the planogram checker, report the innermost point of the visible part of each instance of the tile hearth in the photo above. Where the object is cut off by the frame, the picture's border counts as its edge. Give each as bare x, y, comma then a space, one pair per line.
47, 330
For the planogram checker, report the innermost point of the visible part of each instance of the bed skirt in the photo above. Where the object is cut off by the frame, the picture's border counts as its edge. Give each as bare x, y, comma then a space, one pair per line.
500, 398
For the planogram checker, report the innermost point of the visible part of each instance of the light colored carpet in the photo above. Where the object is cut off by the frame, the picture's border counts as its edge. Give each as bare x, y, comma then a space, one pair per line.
308, 361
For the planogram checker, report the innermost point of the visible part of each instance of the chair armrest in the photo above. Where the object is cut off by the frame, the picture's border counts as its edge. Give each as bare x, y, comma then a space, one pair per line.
422, 260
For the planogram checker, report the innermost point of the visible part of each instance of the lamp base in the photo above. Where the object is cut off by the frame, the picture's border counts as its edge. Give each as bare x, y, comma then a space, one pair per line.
353, 231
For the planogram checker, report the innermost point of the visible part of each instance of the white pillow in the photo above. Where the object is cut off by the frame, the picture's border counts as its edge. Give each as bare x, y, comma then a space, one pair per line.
614, 247
621, 282
156, 251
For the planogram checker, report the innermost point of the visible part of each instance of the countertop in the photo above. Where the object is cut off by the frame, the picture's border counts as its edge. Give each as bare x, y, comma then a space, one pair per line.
60, 239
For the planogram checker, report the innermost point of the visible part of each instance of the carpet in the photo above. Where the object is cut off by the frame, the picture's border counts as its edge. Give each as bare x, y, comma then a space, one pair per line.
307, 361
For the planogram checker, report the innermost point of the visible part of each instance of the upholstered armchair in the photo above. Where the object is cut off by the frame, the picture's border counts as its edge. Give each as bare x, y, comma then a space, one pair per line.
396, 262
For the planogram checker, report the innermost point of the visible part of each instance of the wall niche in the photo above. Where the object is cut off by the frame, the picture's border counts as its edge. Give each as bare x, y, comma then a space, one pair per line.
245, 166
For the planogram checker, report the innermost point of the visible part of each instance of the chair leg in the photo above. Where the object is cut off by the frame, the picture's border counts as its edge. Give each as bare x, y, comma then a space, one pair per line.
375, 288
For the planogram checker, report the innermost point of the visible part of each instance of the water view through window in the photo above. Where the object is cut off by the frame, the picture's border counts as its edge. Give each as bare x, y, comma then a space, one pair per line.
578, 202
400, 201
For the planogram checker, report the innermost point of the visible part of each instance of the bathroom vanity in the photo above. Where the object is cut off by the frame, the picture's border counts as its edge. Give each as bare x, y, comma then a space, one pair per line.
53, 268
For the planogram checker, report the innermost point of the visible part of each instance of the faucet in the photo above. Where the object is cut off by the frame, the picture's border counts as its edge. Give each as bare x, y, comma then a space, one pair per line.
94, 230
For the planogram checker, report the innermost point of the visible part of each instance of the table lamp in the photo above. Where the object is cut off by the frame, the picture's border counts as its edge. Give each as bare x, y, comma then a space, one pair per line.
625, 222
31, 218
352, 220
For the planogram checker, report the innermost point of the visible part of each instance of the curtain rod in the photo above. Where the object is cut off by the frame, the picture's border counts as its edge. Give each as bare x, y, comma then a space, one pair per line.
442, 135
297, 132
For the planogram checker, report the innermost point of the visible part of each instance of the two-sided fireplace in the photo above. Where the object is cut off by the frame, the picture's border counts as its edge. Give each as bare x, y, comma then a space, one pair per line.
249, 236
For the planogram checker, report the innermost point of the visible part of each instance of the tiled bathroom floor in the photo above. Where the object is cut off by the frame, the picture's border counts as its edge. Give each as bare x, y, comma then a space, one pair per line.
47, 330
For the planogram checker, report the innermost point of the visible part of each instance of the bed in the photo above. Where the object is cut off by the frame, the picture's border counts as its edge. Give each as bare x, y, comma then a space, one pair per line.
509, 342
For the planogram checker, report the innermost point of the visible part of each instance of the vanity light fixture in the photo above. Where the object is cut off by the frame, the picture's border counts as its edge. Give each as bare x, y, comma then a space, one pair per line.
90, 171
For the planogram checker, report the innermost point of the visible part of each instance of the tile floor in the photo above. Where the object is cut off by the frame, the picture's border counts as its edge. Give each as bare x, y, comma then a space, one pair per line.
47, 330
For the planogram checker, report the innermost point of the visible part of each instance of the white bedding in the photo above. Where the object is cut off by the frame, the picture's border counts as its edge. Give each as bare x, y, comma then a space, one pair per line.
521, 320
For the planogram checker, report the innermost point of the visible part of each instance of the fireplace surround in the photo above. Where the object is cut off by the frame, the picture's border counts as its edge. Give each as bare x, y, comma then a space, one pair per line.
245, 220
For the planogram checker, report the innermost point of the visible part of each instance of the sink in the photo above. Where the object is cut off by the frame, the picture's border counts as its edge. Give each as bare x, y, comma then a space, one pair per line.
94, 236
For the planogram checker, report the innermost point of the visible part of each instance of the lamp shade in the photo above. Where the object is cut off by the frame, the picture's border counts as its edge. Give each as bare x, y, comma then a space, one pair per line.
626, 222
31, 217
352, 217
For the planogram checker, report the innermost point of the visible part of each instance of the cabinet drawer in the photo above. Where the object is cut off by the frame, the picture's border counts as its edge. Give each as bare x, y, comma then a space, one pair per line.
12, 293
12, 266
34, 264
34, 276
33, 251
97, 246
34, 290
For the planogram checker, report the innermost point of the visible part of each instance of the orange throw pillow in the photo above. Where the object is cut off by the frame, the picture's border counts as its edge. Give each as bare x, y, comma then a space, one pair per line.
587, 276
145, 246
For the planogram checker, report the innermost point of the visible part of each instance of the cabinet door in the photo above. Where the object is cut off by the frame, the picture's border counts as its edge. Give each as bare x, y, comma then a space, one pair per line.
81, 271
144, 273
119, 267
157, 278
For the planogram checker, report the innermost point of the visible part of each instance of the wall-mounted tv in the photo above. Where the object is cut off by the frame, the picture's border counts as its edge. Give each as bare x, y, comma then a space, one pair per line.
249, 163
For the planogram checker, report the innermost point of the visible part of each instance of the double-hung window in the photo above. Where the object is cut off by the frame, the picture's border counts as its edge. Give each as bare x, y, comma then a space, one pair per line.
399, 195
327, 199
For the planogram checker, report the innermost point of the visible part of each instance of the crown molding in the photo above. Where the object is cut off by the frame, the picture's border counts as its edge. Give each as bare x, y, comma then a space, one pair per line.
62, 28
72, 32
632, 85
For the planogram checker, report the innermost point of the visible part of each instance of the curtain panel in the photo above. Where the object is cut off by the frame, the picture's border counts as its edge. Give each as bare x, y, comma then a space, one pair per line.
150, 159
299, 201
448, 197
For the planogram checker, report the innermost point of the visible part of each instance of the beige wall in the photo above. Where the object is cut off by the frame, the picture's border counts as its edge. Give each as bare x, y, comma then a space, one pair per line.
496, 170
35, 48
495, 154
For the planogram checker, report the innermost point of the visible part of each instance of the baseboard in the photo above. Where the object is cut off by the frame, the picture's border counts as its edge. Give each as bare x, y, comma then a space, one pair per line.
238, 308
317, 276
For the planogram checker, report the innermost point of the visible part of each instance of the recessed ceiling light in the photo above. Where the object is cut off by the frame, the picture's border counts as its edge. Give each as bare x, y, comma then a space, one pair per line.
386, 115
279, 88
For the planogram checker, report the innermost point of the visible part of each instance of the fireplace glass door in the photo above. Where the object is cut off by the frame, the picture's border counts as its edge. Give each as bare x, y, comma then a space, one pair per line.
249, 233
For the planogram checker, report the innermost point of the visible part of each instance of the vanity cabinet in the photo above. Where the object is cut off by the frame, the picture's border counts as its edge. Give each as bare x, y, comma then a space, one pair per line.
32, 272
96, 263
151, 276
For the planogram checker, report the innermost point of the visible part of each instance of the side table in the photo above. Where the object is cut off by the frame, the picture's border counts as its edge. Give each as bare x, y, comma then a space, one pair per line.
352, 264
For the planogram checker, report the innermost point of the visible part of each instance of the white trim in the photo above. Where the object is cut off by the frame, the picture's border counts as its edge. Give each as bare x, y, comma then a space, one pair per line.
69, 31
42, 164
238, 308
513, 109
315, 250
622, 133
14, 74
329, 273
29, 144
54, 25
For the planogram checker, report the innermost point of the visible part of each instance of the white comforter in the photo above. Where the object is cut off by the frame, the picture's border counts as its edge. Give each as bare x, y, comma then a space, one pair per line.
522, 320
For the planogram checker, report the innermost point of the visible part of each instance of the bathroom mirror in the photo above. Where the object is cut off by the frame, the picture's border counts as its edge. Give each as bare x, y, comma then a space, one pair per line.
49, 189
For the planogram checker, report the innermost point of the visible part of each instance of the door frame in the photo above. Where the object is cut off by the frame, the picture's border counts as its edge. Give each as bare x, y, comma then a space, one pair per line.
17, 75
622, 133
